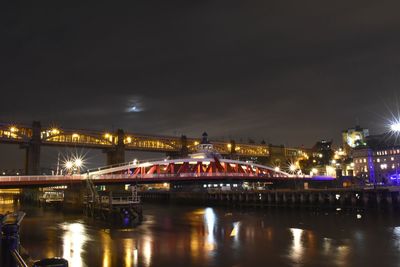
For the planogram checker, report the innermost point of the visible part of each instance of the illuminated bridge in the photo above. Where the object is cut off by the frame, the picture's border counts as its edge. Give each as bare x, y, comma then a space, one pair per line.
115, 144
188, 169
52, 136
33, 137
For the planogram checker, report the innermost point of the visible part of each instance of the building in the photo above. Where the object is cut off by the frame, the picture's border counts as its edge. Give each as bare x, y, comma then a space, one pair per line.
282, 157
379, 160
354, 137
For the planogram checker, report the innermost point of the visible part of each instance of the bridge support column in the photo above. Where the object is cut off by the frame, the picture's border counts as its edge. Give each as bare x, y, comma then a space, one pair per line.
74, 195
389, 199
294, 198
321, 198
302, 198
184, 147
269, 196
117, 153
331, 199
32, 158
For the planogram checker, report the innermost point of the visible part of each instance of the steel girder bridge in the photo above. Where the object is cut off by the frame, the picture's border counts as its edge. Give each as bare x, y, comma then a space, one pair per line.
188, 169
55, 136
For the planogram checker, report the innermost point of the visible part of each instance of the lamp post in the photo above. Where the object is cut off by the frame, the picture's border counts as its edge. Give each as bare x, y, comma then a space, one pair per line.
74, 165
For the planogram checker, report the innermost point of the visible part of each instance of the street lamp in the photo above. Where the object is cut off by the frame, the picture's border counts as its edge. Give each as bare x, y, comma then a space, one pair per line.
74, 165
292, 168
395, 127
78, 162
69, 164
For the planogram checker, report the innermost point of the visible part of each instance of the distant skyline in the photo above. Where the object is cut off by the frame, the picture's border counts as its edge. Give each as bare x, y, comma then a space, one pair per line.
289, 72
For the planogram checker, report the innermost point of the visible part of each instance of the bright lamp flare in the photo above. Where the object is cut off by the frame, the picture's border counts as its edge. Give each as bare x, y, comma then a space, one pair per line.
69, 165
292, 167
395, 127
78, 162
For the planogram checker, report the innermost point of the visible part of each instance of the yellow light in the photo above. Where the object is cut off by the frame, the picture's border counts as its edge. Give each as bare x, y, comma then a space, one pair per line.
198, 156
75, 135
69, 165
128, 139
277, 169
78, 162
55, 131
107, 135
237, 148
13, 129
292, 167
229, 145
196, 143
314, 171
235, 229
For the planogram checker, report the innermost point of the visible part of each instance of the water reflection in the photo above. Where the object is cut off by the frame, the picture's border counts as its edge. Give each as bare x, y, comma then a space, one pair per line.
147, 251
189, 236
129, 248
297, 245
106, 242
342, 254
74, 239
209, 219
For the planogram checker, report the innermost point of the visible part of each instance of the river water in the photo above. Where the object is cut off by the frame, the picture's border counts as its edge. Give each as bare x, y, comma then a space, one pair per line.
215, 236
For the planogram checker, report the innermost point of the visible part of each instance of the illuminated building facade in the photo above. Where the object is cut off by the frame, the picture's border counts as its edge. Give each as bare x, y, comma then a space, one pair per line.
379, 161
354, 137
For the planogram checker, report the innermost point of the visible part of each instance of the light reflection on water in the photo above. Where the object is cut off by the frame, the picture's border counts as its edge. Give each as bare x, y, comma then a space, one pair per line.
74, 239
209, 237
209, 220
147, 251
297, 247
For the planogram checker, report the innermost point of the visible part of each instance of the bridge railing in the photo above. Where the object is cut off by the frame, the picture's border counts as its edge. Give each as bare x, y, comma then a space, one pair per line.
194, 175
39, 178
133, 162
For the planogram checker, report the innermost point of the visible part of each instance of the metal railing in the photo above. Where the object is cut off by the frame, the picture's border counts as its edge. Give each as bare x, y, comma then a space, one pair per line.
169, 175
18, 258
39, 178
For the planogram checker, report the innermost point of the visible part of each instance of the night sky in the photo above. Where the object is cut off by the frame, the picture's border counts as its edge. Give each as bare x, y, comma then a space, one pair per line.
290, 72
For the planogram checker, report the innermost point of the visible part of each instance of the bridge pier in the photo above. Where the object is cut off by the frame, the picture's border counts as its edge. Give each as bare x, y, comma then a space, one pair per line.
116, 154
74, 195
32, 156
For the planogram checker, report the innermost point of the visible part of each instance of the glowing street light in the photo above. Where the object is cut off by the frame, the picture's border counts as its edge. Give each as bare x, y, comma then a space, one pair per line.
74, 164
314, 171
292, 168
69, 164
395, 127
78, 162
13, 129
